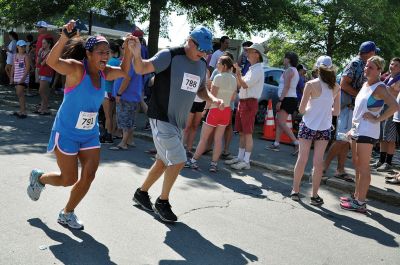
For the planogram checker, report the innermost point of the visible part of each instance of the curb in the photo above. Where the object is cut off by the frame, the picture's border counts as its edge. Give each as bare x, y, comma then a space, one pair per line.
375, 193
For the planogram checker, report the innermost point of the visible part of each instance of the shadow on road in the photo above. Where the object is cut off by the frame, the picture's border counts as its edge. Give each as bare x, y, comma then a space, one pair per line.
70, 251
355, 226
195, 249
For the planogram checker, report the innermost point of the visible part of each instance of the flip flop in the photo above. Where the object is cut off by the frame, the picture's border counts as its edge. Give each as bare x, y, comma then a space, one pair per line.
394, 181
44, 113
118, 148
345, 177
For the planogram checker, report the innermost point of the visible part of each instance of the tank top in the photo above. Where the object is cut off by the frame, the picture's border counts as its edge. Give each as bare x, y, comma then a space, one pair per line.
318, 116
293, 84
360, 126
77, 117
19, 69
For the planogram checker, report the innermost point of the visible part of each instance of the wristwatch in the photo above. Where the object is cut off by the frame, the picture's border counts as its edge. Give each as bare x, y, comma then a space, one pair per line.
118, 95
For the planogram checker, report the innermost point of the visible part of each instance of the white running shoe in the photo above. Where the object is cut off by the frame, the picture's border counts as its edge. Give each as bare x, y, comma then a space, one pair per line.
70, 220
241, 165
35, 187
232, 161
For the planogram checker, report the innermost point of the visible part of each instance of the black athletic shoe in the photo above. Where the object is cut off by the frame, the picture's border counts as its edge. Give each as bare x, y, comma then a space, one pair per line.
143, 199
108, 138
316, 201
163, 209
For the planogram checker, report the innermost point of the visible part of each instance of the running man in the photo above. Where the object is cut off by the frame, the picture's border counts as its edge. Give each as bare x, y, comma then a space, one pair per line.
180, 75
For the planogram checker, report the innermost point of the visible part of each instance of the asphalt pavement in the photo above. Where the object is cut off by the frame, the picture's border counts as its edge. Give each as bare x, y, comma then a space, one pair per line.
228, 218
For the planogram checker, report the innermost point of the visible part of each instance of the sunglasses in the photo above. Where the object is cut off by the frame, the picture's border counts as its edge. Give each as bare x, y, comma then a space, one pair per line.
197, 46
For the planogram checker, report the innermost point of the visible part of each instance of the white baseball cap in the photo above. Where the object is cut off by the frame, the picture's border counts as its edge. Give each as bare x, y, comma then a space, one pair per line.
42, 24
256, 46
324, 60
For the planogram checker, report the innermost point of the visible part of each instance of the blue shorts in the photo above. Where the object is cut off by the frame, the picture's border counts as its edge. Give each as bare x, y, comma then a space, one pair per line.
344, 122
71, 147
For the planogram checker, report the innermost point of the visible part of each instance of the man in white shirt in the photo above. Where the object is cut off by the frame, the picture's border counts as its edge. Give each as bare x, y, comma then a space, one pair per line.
224, 42
251, 86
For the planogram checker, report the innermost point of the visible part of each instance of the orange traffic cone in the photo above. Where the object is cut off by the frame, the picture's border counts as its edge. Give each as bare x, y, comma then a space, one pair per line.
269, 124
284, 137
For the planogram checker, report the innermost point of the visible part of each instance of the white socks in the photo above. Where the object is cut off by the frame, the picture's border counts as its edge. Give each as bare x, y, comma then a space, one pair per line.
241, 154
247, 157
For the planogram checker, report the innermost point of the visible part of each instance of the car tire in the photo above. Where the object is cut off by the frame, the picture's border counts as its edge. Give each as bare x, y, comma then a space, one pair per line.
262, 111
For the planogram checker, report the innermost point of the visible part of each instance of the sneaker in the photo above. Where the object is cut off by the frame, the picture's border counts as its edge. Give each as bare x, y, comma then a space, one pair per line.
273, 147
213, 167
142, 198
232, 161
346, 199
35, 187
316, 201
70, 220
376, 164
147, 127
187, 164
193, 164
163, 209
295, 196
241, 165
384, 167
353, 205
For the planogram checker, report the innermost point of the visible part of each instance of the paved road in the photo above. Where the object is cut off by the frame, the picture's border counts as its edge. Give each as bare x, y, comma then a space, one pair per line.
228, 218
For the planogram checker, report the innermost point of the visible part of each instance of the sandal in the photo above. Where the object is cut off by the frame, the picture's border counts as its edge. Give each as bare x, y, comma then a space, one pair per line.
345, 177
394, 181
44, 113
118, 148
295, 196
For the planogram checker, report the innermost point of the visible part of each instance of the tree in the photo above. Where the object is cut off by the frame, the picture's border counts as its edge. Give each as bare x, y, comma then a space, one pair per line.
234, 16
337, 28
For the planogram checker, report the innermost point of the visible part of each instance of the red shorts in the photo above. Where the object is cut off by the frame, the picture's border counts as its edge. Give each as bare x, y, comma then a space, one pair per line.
217, 117
245, 115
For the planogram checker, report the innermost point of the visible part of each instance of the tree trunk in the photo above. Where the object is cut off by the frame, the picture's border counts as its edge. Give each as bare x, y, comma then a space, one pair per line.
154, 28
90, 22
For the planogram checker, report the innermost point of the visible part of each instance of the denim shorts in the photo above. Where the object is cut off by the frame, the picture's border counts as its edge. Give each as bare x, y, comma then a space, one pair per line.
344, 121
45, 78
126, 114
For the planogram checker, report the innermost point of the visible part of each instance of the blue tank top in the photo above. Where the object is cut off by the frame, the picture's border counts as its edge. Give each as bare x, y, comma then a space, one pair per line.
77, 117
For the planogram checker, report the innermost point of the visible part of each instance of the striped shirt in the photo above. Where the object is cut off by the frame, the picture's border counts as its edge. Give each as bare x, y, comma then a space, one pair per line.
19, 69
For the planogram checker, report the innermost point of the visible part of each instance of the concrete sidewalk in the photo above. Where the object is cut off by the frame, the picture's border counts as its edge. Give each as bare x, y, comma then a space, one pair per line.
279, 162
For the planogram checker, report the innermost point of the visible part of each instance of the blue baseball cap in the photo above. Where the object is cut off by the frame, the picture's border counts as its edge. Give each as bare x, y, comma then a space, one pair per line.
203, 38
368, 46
21, 43
93, 40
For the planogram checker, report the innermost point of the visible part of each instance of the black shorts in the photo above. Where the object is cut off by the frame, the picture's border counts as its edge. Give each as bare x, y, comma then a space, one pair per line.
364, 140
198, 107
289, 105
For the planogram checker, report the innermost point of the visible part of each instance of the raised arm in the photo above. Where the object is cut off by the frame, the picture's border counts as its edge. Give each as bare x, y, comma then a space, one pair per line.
54, 60
113, 73
141, 66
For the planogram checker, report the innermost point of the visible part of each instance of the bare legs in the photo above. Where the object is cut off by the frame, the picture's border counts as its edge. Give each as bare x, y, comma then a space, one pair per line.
69, 174
361, 158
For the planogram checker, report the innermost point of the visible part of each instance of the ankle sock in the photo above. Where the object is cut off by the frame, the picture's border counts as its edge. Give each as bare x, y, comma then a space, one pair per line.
382, 157
389, 158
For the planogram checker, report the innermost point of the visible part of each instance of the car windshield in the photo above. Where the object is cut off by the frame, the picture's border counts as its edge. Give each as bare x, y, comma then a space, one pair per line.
272, 77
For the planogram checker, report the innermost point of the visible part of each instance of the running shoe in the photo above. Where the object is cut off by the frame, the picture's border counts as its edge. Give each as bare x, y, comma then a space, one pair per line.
273, 147
69, 220
163, 209
232, 161
316, 201
241, 165
296, 150
353, 205
213, 167
346, 198
295, 196
35, 187
142, 198
385, 167
376, 164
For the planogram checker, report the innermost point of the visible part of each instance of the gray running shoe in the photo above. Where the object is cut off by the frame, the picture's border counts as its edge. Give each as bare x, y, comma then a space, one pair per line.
384, 167
69, 220
35, 187
273, 147
232, 161
376, 164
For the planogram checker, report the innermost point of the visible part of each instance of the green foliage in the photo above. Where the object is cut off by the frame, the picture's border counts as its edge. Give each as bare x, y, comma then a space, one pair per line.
337, 28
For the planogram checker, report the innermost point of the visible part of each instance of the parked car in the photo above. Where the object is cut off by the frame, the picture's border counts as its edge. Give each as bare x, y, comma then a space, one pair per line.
270, 91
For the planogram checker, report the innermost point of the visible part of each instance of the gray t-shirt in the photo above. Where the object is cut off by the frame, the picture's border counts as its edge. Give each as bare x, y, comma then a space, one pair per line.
176, 83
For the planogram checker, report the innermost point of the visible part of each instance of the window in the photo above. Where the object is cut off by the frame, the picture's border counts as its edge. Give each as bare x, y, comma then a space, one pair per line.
272, 77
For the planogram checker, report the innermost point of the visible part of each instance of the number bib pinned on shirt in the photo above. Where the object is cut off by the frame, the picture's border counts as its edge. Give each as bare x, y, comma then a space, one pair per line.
190, 82
86, 120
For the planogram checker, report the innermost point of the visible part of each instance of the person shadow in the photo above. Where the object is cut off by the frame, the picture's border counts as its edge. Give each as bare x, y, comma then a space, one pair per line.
71, 251
355, 226
195, 249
